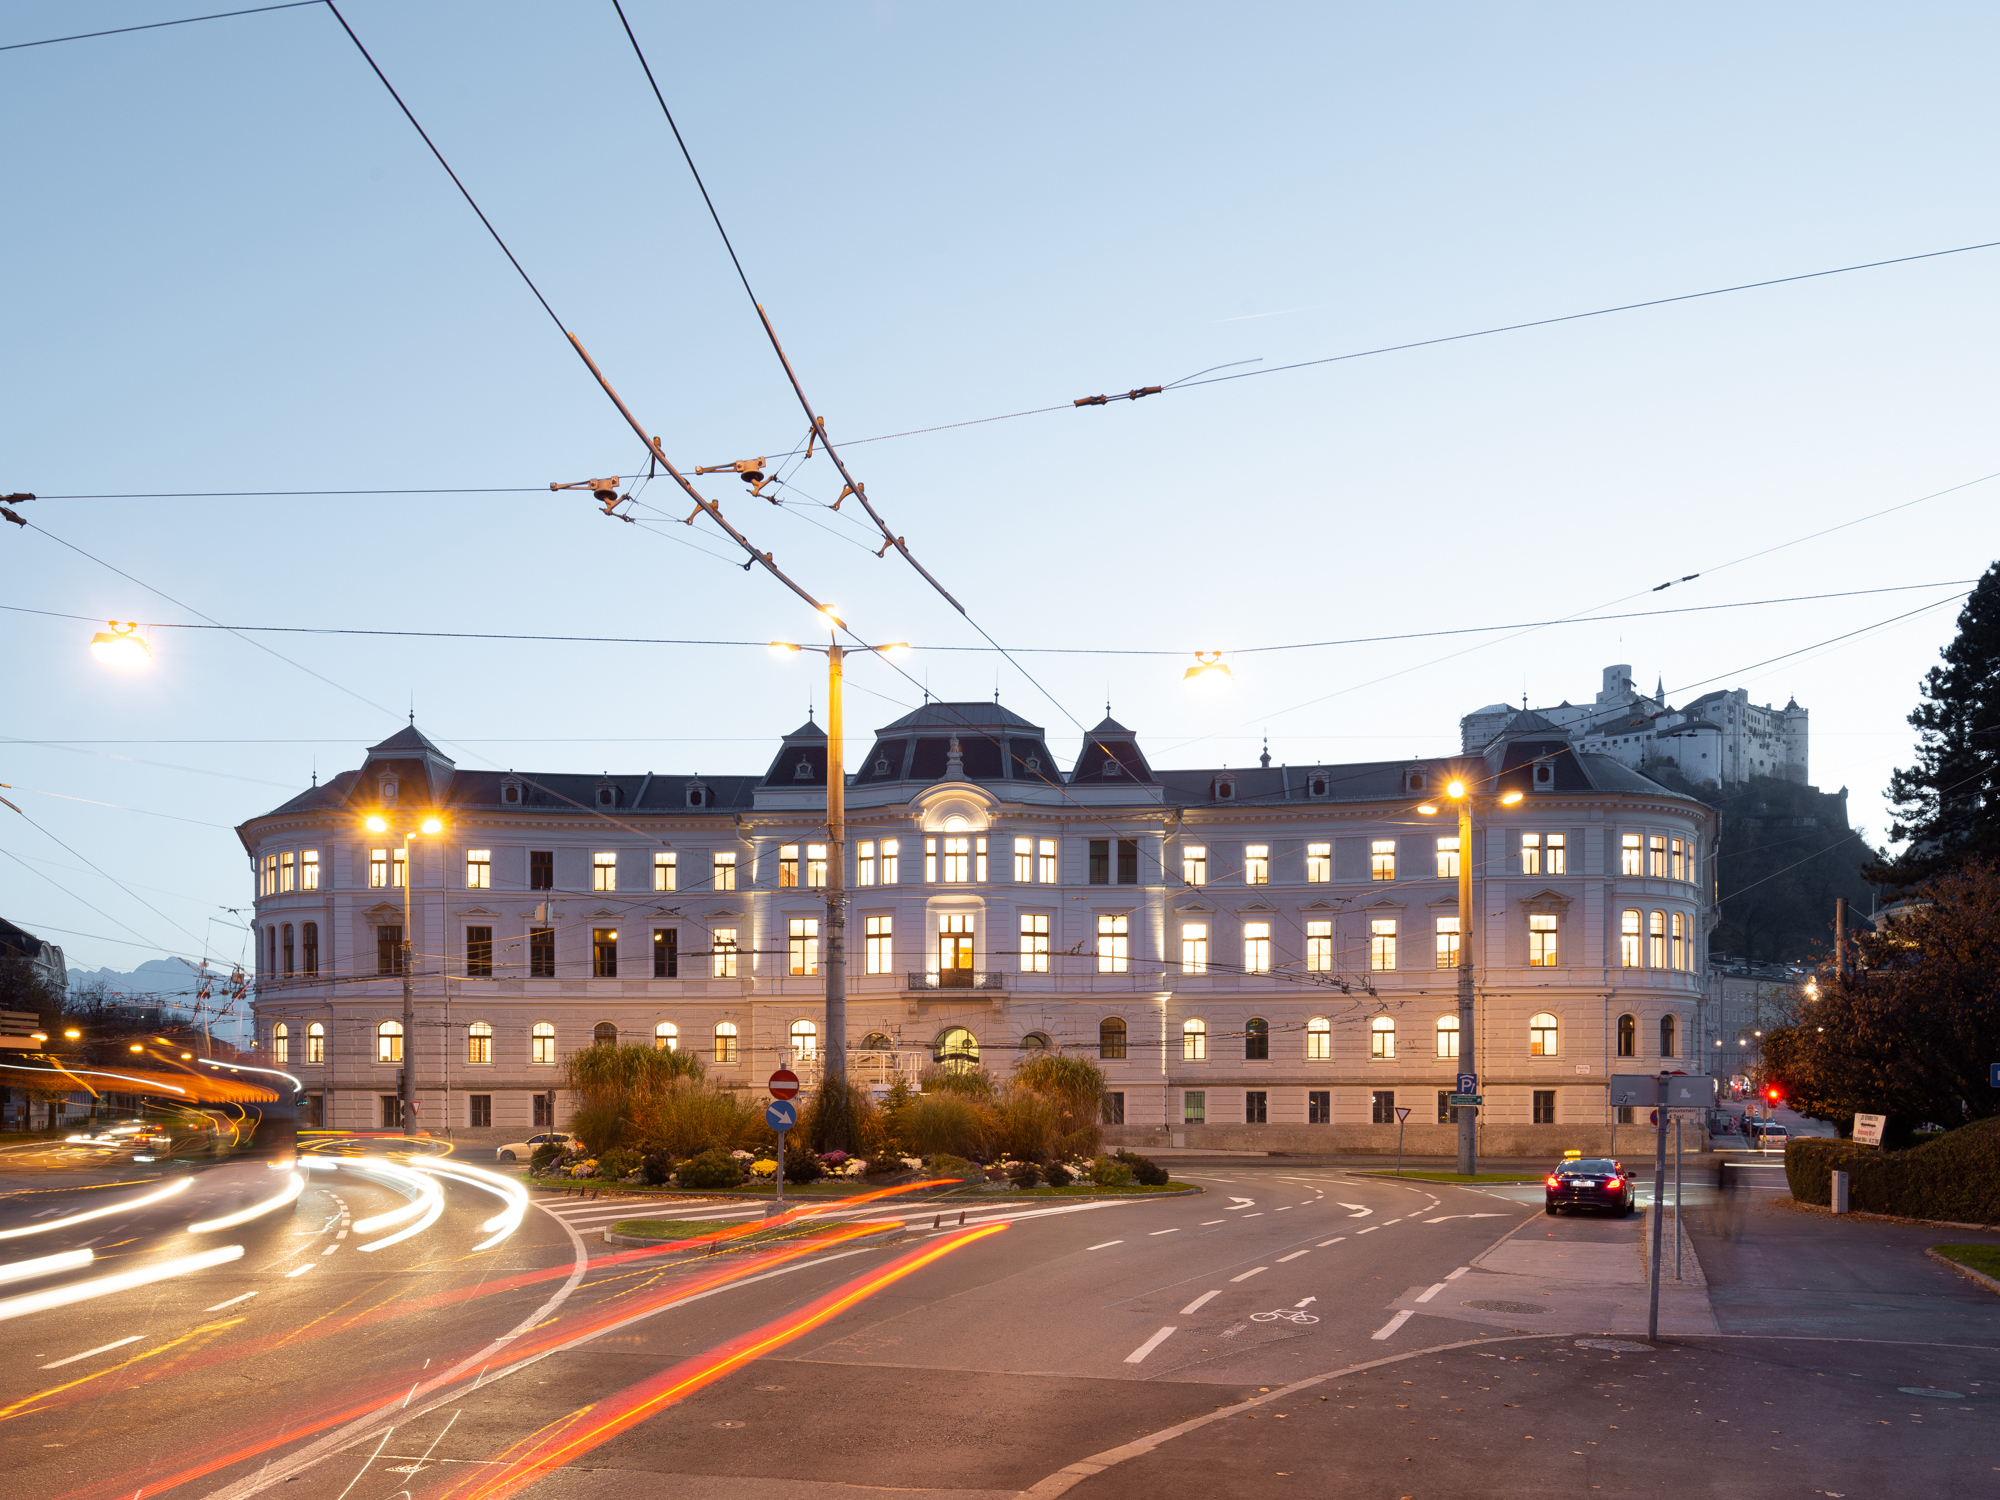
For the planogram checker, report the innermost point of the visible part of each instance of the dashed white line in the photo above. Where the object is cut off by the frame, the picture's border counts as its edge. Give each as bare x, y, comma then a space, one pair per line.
100, 1349
1369, 1230
1149, 1346
1334, 1241
301, 1270
1206, 1222
1387, 1222
1283, 1208
1175, 1230
329, 1249
1391, 1326
1257, 1215
1458, 1273
1426, 1296
1192, 1306
1248, 1274
1293, 1256
1107, 1244
230, 1303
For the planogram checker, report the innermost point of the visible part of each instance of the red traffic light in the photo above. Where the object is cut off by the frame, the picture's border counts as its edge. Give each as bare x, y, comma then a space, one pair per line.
1773, 1095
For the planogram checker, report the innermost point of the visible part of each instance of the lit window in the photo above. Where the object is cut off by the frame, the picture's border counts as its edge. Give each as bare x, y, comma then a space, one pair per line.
1628, 1036
1024, 860
957, 1050
816, 865
802, 946
1542, 1035
1319, 947
1447, 858
1656, 857
478, 869
666, 872
723, 872
316, 1042
1194, 1107
1034, 943
1194, 1041
1110, 1039
542, 1043
864, 863
957, 859
1656, 940
1256, 1040
1382, 943
1541, 942
479, 1043
788, 866
287, 873
1682, 859
1531, 854
1319, 863
1555, 849
1113, 944
1447, 942
1256, 864
930, 862
722, 949
1194, 864
267, 876
725, 1041
604, 952
281, 1043
666, 1037
1382, 1037
1382, 859
604, 871
1256, 947
1319, 1041
1628, 854
1045, 861
1678, 925
378, 869
805, 1040
890, 848
1194, 947
1447, 1036
389, 1042
1628, 942
309, 869
877, 946
399, 867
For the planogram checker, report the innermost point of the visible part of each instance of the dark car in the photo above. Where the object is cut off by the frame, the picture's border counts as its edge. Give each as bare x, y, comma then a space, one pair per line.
1595, 1183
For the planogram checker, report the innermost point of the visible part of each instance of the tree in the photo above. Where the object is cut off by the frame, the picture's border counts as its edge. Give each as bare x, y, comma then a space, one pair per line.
1948, 803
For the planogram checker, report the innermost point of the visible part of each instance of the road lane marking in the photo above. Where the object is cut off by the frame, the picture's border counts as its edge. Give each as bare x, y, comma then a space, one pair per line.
1334, 1241
1391, 1326
1206, 1222
329, 1249
1166, 1231
1307, 1303
1387, 1222
100, 1349
1369, 1230
1192, 1306
1107, 1244
1148, 1347
1257, 1215
1364, 1209
1458, 1273
301, 1270
1426, 1296
1442, 1217
1293, 1256
1283, 1208
1248, 1274
230, 1303
1235, 1202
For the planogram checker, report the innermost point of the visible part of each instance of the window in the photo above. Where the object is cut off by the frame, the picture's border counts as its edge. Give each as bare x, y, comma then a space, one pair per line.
1447, 942
666, 872
788, 866
1446, 1114
1100, 861
289, 967
1531, 854
480, 1113
1256, 1040
1034, 942
957, 1050
604, 871
1670, 1034
1319, 1106
1541, 942
389, 1042
392, 1112
961, 854
1383, 1111
1113, 943
1447, 1036
1111, 1039
1194, 947
1256, 864
805, 1040
544, 1106
666, 953
1545, 1106
541, 953
281, 1043
378, 869
1037, 1044
1254, 1106
267, 874
1681, 859
479, 1043
309, 869
1677, 925
1194, 1041
1128, 861
1628, 854
399, 867
1319, 947
1656, 940
1628, 942
1382, 859
1382, 943
388, 950
604, 952
316, 1042
1194, 1108
309, 932
1542, 1035
1656, 857
722, 950
1555, 851
666, 1037
1194, 864
722, 872
1382, 1037
1319, 1039
1024, 860
1319, 863
802, 946
864, 862
1628, 1036
725, 1041
1447, 858
877, 947
287, 873
479, 952
1045, 861
1256, 947
1114, 1108
478, 869
890, 848
541, 869
271, 950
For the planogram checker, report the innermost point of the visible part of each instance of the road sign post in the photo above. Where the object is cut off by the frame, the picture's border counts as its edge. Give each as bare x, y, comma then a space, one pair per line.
1402, 1117
1868, 1129
781, 1115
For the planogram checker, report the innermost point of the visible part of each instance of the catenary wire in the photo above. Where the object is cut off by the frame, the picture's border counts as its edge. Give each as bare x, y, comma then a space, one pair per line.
221, 15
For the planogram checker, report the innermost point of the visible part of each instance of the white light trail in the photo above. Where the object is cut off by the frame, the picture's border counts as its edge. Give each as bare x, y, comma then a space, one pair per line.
104, 1286
47, 1265
98, 1213
511, 1192
426, 1208
294, 1185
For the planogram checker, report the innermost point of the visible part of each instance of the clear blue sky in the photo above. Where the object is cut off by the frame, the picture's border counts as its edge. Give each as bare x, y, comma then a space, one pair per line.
232, 265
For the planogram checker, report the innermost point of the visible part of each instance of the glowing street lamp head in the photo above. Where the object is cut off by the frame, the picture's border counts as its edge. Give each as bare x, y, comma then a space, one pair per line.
73, 1034
894, 648
1209, 670
783, 649
376, 823
1428, 809
833, 614
433, 825
1454, 789
119, 647
1511, 799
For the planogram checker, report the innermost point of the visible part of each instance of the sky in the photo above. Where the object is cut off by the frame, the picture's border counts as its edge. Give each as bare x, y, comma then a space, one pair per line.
235, 266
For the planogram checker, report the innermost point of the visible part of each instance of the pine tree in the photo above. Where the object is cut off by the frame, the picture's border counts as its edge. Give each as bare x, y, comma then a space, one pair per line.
1948, 803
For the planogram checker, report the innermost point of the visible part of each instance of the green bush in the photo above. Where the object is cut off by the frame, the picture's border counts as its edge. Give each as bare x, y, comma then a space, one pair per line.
656, 1169
544, 1158
946, 1165
618, 1163
714, 1168
1145, 1170
1057, 1174
886, 1165
1109, 1171
950, 1123
1027, 1175
1955, 1178
801, 1166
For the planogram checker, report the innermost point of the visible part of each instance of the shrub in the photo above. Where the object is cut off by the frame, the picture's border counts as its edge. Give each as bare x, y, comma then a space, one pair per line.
714, 1168
1026, 1174
946, 1165
618, 1163
886, 1166
1109, 1171
1057, 1174
1028, 1125
950, 1123
840, 1118
544, 1157
1955, 1178
657, 1169
1145, 1170
1074, 1088
966, 1083
801, 1166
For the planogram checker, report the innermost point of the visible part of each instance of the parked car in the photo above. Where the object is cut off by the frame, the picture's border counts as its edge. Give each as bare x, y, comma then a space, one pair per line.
1769, 1135
522, 1150
1596, 1182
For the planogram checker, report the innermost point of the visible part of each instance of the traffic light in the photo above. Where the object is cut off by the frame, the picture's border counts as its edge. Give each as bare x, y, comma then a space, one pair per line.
1774, 1095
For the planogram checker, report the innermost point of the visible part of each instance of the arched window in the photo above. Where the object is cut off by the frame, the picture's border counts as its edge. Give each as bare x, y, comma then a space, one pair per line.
1542, 1035
1036, 1044
542, 1042
1319, 1039
604, 1034
1670, 1036
805, 1040
479, 1042
1628, 942
1256, 1039
876, 1041
1656, 940
1194, 1041
1382, 1037
281, 1043
1111, 1038
667, 1037
1628, 1033
315, 1043
725, 1041
957, 1050
389, 1042
1447, 1033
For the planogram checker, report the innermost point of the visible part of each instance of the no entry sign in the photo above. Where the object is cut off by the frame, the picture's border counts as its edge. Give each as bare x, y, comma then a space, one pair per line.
784, 1084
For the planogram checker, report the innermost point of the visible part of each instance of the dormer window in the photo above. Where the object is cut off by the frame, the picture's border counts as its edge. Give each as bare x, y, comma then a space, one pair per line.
1316, 784
607, 796
510, 792
803, 771
697, 794
881, 765
1413, 781
1545, 773
1033, 763
388, 788
1225, 789
1110, 765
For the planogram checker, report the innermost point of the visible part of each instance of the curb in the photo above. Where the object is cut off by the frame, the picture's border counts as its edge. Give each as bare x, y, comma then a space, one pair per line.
880, 1232
1855, 1213
1966, 1271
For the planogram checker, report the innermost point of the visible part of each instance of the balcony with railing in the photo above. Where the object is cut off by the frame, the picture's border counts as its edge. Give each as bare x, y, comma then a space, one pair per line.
958, 979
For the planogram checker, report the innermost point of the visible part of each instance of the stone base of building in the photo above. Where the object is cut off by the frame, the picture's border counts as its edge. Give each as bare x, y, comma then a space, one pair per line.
1496, 1142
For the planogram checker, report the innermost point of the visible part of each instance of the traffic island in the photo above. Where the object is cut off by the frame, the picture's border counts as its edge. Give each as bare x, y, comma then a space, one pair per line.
1980, 1263
702, 1235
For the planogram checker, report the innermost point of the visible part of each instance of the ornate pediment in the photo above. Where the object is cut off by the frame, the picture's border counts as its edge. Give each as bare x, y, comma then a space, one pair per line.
476, 911
381, 911
1195, 906
1547, 902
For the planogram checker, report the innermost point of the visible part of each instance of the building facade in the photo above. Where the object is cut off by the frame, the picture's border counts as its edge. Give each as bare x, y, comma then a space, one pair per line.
1257, 956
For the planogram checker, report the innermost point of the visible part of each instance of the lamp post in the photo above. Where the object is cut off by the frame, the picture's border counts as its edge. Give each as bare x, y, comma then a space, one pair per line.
406, 1077
834, 968
1459, 790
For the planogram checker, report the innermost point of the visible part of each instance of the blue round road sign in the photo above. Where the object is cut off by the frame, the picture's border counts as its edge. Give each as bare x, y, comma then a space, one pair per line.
781, 1114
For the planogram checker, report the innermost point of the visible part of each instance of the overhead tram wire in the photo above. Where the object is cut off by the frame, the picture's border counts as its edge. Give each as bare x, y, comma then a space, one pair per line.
221, 15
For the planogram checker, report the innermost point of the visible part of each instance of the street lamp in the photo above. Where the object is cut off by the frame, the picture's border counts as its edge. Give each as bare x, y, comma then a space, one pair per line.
1209, 670
120, 647
835, 1046
406, 1081
1459, 790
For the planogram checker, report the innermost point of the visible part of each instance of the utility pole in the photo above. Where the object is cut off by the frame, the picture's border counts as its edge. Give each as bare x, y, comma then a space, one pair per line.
833, 1071
1468, 1115
406, 1079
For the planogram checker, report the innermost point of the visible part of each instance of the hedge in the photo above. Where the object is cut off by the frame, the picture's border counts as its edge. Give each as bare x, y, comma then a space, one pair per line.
1955, 1178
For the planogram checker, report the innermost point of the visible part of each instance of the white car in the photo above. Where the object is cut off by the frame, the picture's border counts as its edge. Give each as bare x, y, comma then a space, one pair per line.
522, 1150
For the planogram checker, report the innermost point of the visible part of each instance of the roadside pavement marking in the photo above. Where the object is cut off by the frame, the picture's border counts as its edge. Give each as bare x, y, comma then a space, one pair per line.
1391, 1326
329, 1249
1206, 1222
1369, 1230
1190, 1308
1334, 1241
1293, 1256
1426, 1296
230, 1303
1387, 1222
1107, 1244
1175, 1230
1257, 1215
1364, 1209
301, 1270
1248, 1274
1149, 1346
1442, 1217
1458, 1273
100, 1349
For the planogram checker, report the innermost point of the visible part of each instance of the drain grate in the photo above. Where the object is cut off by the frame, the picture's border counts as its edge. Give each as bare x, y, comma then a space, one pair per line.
1506, 1307
1616, 1346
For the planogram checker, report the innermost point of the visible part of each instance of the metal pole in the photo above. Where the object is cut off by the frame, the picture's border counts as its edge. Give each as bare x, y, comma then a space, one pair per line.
1468, 1115
1659, 1177
1677, 1200
406, 1080
833, 1070
781, 1170
1399, 1146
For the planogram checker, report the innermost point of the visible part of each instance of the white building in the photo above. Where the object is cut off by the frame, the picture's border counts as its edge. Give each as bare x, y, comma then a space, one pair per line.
1256, 956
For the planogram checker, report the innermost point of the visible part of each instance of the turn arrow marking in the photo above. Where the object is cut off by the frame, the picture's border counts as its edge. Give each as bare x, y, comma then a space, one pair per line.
1442, 1217
1364, 1212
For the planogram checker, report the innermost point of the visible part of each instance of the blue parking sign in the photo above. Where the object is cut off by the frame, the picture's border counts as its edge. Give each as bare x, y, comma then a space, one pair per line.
781, 1114
1468, 1083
